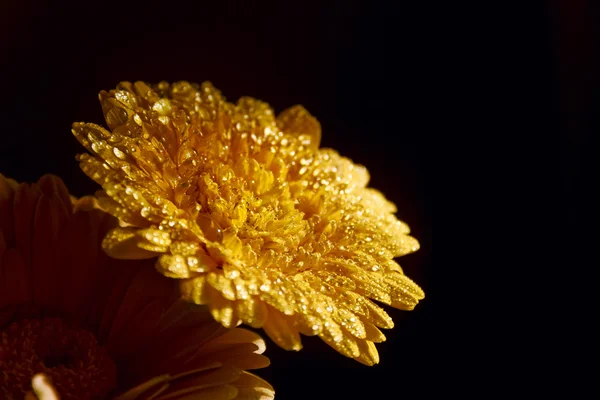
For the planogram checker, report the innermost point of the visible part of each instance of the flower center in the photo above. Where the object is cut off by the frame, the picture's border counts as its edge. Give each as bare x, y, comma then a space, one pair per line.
69, 356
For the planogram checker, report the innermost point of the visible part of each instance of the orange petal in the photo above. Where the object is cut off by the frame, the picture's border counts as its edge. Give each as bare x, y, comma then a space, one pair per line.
53, 187
16, 283
145, 287
241, 335
24, 207
225, 392
43, 274
252, 387
75, 264
7, 195
190, 383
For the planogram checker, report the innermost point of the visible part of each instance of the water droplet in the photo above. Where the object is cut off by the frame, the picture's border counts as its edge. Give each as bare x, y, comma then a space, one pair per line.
119, 154
265, 287
116, 116
211, 229
162, 107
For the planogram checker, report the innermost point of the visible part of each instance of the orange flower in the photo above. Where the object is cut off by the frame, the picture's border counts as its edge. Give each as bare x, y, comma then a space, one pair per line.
251, 216
90, 327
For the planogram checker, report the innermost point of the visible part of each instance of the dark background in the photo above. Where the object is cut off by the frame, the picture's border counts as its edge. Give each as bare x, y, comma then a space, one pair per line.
375, 76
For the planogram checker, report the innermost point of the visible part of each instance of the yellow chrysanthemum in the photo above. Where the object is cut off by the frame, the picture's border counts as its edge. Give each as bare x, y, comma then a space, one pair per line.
75, 322
249, 213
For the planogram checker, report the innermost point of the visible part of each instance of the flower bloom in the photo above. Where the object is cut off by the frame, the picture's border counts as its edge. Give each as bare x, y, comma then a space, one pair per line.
76, 324
249, 214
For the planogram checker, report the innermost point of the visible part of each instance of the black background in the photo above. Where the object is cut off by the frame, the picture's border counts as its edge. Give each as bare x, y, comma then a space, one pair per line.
374, 75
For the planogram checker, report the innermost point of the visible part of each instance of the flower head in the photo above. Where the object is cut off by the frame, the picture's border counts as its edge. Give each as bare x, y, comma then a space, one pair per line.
250, 215
77, 324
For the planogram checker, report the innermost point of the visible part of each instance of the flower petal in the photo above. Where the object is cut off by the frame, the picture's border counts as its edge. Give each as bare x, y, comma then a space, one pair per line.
129, 244
279, 327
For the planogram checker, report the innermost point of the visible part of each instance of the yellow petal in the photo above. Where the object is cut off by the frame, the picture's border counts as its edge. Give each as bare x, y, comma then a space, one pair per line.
372, 333
124, 243
252, 312
195, 290
368, 353
297, 121
222, 309
280, 329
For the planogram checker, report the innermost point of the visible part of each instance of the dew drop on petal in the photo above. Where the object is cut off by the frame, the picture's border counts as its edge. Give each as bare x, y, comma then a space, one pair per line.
211, 229
119, 154
116, 116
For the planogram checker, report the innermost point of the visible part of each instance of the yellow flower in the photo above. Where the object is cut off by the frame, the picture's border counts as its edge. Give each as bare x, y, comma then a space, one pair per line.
251, 216
75, 322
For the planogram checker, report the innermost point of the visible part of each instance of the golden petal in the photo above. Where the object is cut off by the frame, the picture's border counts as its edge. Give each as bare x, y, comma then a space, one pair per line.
222, 310
222, 284
173, 266
280, 328
367, 309
124, 243
97, 170
252, 311
340, 340
297, 121
406, 245
195, 290
373, 334
368, 353
89, 133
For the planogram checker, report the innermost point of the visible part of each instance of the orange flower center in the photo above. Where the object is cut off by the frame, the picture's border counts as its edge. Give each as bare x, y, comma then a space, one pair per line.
69, 356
